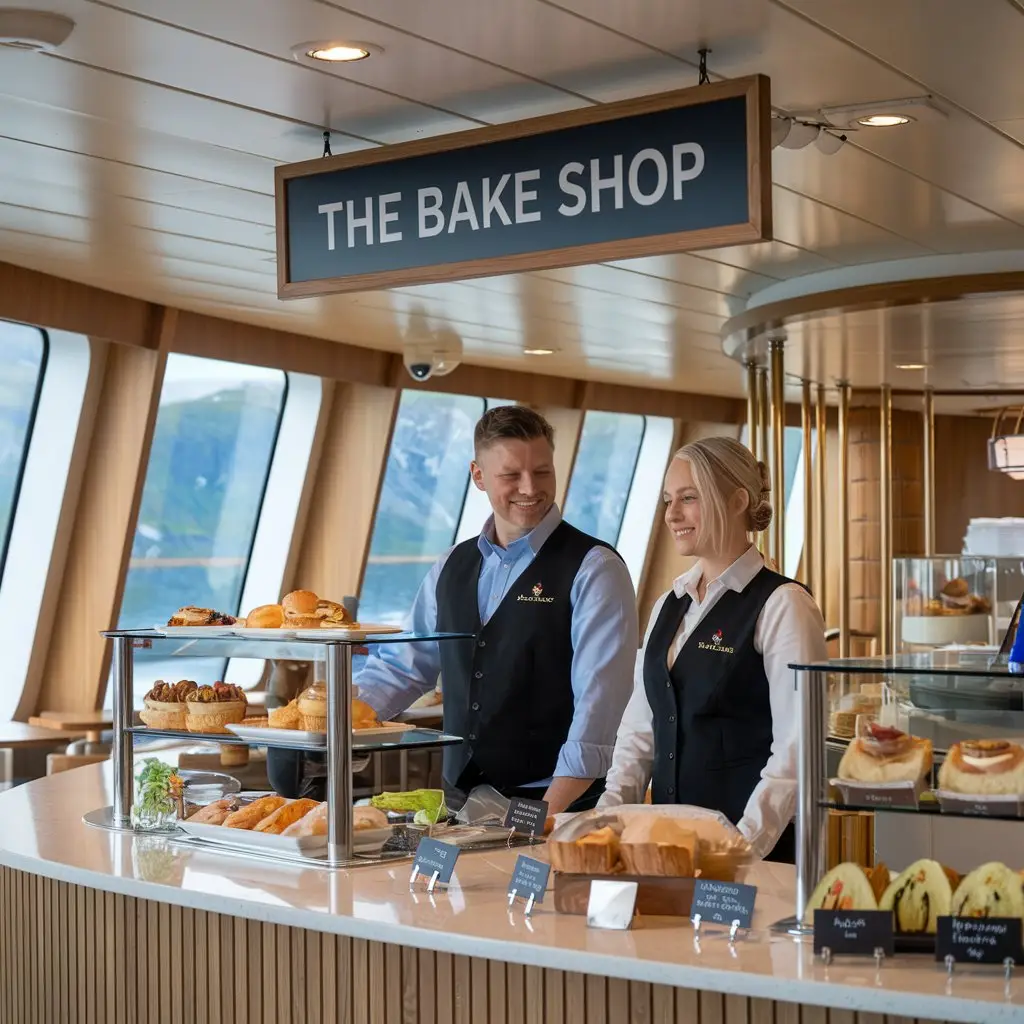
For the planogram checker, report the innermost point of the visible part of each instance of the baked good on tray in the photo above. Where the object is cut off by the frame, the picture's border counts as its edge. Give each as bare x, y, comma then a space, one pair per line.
918, 896
983, 768
215, 813
190, 615
595, 853
845, 887
249, 816
884, 754
652, 845
210, 708
277, 821
164, 706
992, 890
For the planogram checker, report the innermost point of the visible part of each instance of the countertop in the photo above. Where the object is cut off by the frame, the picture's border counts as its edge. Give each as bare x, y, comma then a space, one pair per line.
44, 834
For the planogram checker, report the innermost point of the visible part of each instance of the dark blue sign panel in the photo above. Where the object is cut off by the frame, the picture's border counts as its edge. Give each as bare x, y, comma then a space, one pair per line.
663, 174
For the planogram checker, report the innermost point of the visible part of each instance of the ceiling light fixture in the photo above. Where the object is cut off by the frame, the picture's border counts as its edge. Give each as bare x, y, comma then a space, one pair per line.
1006, 451
33, 30
911, 366
538, 351
884, 120
334, 51
885, 113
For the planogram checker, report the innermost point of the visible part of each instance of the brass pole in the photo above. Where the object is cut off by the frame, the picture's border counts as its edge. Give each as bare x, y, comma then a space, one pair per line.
844, 520
752, 415
763, 539
928, 483
885, 519
810, 555
778, 463
821, 504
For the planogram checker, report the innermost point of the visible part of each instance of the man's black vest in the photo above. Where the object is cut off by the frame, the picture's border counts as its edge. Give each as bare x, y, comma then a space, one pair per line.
508, 693
711, 713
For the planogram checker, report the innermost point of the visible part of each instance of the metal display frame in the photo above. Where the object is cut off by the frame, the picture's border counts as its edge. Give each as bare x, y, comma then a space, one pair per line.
336, 654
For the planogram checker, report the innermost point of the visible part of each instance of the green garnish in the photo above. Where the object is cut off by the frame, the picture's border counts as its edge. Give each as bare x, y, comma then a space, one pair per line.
158, 786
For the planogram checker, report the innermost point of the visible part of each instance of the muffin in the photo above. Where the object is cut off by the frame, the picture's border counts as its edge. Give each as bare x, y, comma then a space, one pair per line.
164, 705
312, 705
210, 708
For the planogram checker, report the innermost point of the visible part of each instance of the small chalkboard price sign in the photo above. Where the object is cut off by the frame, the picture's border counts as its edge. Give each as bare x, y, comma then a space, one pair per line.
529, 881
853, 933
527, 817
435, 859
979, 940
723, 903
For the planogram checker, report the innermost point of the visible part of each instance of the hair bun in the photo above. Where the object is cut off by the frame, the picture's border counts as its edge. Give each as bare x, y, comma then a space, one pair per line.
766, 478
759, 517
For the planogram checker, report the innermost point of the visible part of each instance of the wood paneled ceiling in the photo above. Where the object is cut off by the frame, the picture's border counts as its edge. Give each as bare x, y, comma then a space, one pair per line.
140, 156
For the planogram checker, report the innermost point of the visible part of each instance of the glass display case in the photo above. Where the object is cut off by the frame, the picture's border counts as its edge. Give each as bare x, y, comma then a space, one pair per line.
916, 711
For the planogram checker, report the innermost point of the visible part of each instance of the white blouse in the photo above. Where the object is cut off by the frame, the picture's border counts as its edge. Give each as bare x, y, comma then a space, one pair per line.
789, 629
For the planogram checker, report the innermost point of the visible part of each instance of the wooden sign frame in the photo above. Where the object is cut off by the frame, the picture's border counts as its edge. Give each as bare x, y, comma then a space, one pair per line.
755, 89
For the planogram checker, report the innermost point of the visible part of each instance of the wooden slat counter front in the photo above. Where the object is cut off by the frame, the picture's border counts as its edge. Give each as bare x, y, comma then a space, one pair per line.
101, 926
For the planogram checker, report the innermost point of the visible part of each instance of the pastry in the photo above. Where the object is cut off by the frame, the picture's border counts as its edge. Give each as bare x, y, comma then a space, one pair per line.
210, 708
213, 814
983, 768
363, 716
365, 818
653, 844
286, 717
312, 709
266, 616
277, 821
190, 615
312, 823
884, 754
845, 887
596, 853
992, 890
249, 816
163, 707
917, 897
332, 615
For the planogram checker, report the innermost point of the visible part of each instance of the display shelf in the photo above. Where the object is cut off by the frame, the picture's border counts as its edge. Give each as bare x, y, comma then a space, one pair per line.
936, 663
927, 807
412, 739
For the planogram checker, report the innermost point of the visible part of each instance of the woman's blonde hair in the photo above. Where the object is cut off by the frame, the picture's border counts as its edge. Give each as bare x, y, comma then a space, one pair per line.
721, 466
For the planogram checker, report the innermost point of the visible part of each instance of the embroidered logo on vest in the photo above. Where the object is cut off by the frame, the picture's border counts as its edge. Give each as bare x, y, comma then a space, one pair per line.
716, 644
537, 596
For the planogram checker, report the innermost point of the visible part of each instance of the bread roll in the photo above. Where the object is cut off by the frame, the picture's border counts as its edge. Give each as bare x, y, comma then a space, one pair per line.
594, 854
992, 890
983, 768
249, 816
845, 887
277, 821
266, 616
886, 755
312, 823
364, 818
917, 897
300, 604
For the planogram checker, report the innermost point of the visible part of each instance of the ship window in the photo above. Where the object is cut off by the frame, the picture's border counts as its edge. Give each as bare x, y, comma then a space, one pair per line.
602, 475
421, 499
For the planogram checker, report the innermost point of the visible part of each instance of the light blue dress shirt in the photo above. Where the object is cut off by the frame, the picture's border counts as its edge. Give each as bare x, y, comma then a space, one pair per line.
605, 638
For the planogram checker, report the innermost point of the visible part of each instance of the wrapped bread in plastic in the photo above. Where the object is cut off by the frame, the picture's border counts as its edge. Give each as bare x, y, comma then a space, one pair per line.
653, 845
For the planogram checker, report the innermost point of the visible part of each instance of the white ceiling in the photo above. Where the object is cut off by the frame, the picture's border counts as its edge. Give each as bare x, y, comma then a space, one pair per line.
140, 157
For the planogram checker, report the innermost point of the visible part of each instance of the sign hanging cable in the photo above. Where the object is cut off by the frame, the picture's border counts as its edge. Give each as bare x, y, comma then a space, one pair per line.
702, 68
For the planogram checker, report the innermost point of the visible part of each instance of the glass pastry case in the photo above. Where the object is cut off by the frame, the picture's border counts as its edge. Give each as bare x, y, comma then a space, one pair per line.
937, 733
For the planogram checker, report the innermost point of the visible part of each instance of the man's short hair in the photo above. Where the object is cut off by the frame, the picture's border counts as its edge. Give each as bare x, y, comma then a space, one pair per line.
511, 422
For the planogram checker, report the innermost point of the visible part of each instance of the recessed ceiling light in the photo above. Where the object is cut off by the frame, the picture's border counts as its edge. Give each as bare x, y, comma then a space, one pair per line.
538, 351
911, 366
334, 51
33, 30
884, 120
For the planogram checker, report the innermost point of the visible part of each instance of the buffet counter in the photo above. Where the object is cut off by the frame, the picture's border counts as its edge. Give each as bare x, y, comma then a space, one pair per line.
99, 925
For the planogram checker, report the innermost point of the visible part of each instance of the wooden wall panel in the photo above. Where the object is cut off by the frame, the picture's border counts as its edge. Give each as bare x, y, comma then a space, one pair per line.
336, 542
101, 540
68, 953
568, 425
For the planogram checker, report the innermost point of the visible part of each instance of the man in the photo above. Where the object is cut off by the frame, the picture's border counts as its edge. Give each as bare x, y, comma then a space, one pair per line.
539, 694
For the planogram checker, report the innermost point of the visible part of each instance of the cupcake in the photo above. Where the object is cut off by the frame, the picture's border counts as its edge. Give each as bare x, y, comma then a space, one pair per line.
164, 705
312, 706
210, 708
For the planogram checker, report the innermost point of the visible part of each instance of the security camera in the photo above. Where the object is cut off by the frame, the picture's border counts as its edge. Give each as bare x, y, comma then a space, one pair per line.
433, 356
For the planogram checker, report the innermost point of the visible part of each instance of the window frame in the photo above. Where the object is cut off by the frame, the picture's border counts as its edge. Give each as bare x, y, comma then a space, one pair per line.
26, 447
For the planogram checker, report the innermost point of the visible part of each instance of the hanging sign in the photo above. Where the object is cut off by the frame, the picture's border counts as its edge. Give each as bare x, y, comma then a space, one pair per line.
683, 170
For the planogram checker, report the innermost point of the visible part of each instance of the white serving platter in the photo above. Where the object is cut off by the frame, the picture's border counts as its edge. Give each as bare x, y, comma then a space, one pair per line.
363, 840
365, 630
209, 632
267, 734
262, 634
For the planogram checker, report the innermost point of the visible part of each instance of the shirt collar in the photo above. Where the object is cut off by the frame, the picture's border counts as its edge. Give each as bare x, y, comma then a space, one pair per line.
736, 577
534, 540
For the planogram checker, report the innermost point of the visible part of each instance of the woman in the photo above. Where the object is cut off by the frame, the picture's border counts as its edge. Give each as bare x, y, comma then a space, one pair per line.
713, 718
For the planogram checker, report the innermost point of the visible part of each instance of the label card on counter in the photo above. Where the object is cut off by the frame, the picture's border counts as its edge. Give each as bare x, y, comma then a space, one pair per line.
979, 940
723, 902
433, 855
529, 878
853, 932
526, 816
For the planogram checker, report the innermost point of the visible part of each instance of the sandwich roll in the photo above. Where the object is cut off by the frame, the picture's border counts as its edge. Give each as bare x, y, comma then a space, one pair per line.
845, 887
983, 768
917, 897
266, 616
885, 754
992, 890
332, 615
300, 604
277, 821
